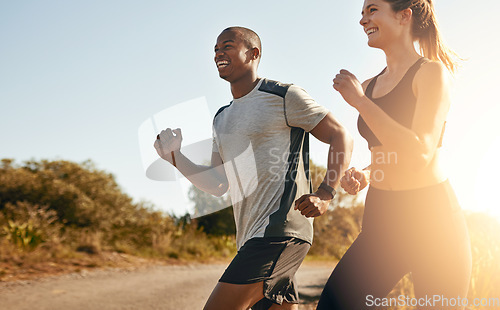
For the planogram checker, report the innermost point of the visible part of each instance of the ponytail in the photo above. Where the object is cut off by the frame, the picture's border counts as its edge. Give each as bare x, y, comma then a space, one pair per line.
426, 31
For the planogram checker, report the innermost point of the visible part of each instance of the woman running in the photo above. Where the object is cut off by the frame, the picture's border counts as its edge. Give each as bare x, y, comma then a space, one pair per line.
412, 221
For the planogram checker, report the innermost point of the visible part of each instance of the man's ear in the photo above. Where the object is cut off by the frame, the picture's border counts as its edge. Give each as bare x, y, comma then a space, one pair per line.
405, 16
255, 53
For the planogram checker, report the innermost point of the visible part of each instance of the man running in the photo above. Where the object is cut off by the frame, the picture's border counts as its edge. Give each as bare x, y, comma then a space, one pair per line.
261, 154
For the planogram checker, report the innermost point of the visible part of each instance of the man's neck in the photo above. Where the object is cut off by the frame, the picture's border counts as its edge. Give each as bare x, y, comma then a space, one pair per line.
244, 85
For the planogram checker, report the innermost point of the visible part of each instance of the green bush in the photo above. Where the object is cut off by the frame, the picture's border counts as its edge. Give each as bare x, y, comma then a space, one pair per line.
23, 235
49, 210
28, 226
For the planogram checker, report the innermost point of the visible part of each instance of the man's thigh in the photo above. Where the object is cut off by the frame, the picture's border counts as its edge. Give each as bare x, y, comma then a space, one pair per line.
227, 296
262, 272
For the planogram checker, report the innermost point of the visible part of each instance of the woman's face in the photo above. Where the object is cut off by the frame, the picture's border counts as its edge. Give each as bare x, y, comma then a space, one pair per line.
381, 24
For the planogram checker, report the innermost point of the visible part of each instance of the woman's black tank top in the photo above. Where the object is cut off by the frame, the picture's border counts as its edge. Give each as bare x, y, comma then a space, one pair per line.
399, 103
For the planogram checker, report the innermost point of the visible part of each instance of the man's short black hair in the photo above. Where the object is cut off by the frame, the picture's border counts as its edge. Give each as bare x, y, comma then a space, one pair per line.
250, 37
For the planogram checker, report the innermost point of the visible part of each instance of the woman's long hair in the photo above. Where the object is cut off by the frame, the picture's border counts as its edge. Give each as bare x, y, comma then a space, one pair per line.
426, 31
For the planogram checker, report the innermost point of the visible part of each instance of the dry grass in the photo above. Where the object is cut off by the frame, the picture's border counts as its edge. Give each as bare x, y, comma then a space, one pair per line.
60, 217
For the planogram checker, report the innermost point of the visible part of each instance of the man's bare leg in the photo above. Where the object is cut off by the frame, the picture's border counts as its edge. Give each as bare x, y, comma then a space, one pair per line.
226, 296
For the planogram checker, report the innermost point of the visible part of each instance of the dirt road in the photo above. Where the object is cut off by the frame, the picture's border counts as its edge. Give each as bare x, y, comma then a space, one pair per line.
158, 287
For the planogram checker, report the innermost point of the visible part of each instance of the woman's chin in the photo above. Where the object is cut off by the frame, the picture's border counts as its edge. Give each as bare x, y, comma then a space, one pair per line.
372, 44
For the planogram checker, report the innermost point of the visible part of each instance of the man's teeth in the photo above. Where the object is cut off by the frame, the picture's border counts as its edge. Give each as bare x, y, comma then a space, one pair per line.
222, 63
371, 30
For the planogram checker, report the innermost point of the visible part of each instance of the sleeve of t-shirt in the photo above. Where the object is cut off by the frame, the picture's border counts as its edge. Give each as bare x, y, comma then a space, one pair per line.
301, 110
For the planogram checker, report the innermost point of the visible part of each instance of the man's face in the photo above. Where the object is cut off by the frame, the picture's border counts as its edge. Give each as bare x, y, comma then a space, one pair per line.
232, 56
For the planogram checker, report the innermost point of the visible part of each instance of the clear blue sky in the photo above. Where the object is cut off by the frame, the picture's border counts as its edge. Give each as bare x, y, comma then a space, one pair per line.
78, 78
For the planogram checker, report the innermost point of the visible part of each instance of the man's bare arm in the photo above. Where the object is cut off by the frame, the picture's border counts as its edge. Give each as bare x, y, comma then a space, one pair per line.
329, 131
209, 178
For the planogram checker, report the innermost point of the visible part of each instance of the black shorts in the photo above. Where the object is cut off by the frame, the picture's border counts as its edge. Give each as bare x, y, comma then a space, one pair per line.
272, 260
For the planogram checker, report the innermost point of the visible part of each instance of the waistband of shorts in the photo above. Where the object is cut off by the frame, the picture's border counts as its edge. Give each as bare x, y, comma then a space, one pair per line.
436, 197
414, 191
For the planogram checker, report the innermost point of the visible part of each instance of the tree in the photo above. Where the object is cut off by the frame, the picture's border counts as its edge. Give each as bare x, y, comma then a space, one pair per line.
214, 215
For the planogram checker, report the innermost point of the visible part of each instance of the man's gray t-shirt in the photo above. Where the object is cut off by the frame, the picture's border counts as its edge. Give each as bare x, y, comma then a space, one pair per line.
263, 141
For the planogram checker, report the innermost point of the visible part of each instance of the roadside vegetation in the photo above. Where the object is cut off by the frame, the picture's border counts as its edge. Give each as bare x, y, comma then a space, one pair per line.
59, 216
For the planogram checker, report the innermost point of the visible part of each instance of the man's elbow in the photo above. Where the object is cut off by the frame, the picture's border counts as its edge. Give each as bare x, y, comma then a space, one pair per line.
341, 134
349, 141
